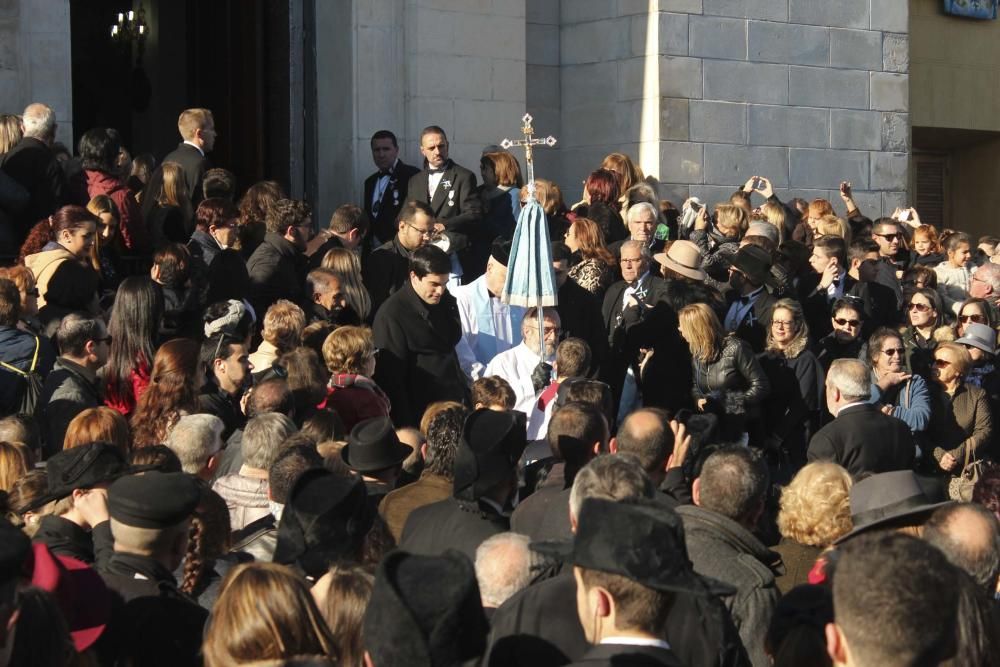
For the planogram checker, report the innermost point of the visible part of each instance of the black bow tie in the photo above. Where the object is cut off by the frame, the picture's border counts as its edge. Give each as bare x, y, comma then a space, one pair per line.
385, 172
436, 171
745, 299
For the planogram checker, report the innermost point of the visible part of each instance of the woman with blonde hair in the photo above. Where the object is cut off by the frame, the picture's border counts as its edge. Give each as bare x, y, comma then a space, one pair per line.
265, 612
347, 266
627, 172
15, 461
595, 270
349, 354
283, 325
170, 216
728, 379
777, 215
10, 132
791, 412
815, 511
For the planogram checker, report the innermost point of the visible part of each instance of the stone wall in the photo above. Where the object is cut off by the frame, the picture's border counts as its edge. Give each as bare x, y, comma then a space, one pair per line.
805, 92
35, 59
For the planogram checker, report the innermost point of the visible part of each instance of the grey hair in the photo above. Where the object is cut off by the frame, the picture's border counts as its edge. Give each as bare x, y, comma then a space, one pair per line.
733, 482
641, 206
504, 565
262, 438
641, 247
989, 273
194, 439
611, 477
852, 378
39, 121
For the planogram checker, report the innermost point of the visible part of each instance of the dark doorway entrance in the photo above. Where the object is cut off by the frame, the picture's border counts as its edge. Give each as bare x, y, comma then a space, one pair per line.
230, 56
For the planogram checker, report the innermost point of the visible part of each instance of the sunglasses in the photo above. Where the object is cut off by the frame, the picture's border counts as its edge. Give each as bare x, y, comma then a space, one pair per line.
978, 319
842, 322
894, 352
919, 307
889, 237
941, 363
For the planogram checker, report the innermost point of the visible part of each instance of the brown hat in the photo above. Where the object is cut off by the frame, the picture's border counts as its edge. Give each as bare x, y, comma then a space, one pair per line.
683, 257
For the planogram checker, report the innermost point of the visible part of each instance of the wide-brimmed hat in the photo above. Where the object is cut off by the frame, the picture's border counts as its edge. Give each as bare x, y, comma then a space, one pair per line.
373, 445
885, 497
682, 257
641, 540
979, 336
755, 263
425, 610
80, 467
492, 443
325, 520
78, 590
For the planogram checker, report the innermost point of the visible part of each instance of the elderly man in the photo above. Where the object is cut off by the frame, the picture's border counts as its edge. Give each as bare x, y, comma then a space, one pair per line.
985, 283
503, 567
526, 371
489, 326
33, 164
197, 442
641, 219
861, 438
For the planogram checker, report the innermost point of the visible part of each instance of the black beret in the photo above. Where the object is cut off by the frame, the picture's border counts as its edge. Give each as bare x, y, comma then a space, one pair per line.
501, 250
154, 499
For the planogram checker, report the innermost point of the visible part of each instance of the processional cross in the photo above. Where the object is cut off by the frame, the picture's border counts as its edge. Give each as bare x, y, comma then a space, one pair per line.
528, 142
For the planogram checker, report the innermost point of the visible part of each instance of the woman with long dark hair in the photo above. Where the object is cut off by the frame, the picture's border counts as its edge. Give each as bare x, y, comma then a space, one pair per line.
135, 322
172, 392
595, 270
99, 152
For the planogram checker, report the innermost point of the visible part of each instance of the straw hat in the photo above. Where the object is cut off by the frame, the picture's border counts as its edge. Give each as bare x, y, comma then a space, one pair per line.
682, 257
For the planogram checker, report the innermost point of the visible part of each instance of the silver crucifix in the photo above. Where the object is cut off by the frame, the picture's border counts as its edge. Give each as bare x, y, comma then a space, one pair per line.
528, 142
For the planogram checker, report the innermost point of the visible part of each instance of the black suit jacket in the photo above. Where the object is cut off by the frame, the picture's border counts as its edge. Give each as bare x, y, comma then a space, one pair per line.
32, 164
457, 206
754, 329
450, 524
393, 198
624, 655
816, 303
863, 440
193, 164
385, 271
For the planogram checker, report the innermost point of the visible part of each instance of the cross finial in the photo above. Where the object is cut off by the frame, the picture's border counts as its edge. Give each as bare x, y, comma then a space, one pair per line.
528, 142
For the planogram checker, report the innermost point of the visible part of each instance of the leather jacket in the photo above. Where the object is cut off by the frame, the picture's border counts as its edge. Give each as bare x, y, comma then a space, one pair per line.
735, 381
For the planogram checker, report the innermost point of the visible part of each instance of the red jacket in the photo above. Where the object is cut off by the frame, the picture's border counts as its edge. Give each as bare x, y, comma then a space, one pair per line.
131, 227
355, 398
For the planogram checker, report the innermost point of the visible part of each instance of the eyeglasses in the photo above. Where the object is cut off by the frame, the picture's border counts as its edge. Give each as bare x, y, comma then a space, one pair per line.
893, 352
843, 322
629, 260
978, 319
551, 331
783, 324
889, 237
919, 307
429, 233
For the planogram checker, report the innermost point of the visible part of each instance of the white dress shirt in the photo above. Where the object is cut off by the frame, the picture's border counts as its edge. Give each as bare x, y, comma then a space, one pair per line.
382, 183
433, 179
515, 366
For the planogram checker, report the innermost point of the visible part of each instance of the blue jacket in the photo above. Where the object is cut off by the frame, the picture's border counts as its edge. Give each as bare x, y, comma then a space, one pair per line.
912, 403
17, 349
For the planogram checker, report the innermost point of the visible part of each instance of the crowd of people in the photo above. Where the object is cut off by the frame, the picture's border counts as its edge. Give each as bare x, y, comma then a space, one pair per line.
753, 432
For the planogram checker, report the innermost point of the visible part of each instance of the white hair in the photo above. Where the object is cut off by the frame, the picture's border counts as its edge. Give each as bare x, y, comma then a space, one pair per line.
39, 121
194, 439
503, 567
641, 206
852, 378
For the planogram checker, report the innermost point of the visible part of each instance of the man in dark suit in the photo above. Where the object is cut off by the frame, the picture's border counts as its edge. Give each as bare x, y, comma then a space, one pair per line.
861, 438
829, 281
197, 129
416, 332
485, 481
386, 189
626, 312
388, 267
641, 220
33, 164
750, 303
450, 191
277, 267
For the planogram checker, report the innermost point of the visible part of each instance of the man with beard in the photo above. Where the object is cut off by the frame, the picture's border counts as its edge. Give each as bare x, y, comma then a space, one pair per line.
388, 267
227, 360
750, 302
327, 300
523, 368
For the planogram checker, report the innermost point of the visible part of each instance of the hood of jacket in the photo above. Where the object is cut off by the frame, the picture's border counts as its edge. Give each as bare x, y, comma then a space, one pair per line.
45, 259
242, 491
101, 183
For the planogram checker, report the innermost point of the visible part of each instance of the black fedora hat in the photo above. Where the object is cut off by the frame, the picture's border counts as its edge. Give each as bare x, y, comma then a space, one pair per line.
641, 540
425, 611
81, 467
885, 497
373, 445
492, 444
324, 521
755, 263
